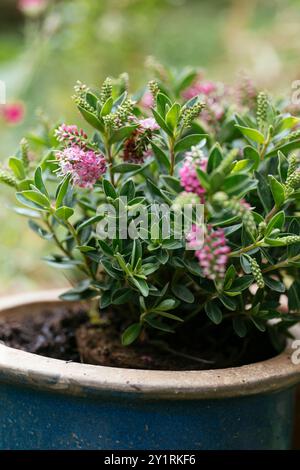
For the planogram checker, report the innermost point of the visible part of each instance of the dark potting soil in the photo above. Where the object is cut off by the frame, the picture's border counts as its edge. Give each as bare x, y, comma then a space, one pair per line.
67, 334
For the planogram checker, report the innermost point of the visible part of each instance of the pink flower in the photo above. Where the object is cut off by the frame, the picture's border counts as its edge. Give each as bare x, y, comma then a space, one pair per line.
85, 166
200, 87
32, 7
149, 123
71, 135
147, 100
13, 113
188, 175
213, 254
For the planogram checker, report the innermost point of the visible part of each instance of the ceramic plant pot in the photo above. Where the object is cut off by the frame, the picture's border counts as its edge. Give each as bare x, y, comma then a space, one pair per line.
51, 404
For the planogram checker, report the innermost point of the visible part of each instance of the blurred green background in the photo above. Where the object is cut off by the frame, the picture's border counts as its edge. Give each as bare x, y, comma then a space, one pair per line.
41, 58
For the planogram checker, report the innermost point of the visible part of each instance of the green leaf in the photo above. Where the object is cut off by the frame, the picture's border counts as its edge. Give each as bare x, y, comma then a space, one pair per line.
158, 192
294, 296
238, 184
167, 304
91, 221
278, 191
277, 222
105, 248
239, 326
285, 148
161, 157
294, 227
107, 107
61, 262
37, 198
240, 284
244, 260
288, 122
162, 101
213, 312
26, 212
260, 325
91, 119
264, 192
171, 316
203, 178
39, 230
136, 253
105, 299
141, 285
228, 302
252, 154
161, 122
16, 165
108, 189
39, 183
229, 277
183, 293
121, 296
242, 165
172, 116
62, 190
186, 142
64, 212
185, 80
131, 334
128, 190
274, 241
252, 134
26, 202
172, 183
125, 168
274, 285
157, 324
215, 157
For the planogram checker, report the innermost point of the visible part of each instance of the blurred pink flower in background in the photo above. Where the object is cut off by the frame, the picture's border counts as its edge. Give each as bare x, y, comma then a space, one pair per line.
200, 87
32, 7
13, 113
213, 94
147, 100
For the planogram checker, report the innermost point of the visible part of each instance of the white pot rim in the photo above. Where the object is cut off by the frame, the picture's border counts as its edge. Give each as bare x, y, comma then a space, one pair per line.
23, 368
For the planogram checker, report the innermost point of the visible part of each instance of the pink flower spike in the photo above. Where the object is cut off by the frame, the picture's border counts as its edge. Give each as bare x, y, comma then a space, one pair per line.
212, 261
70, 134
85, 166
188, 174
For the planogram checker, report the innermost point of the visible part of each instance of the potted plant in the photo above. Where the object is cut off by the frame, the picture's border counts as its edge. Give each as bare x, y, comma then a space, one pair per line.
177, 221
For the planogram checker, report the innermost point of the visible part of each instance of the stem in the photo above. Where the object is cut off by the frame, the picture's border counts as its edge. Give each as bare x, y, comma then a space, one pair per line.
270, 214
172, 155
57, 241
264, 147
282, 264
245, 249
85, 258
110, 160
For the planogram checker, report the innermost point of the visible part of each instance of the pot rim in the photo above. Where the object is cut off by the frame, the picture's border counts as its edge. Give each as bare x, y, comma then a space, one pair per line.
22, 368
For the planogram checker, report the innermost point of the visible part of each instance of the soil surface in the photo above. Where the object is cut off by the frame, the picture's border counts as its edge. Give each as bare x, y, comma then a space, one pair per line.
67, 334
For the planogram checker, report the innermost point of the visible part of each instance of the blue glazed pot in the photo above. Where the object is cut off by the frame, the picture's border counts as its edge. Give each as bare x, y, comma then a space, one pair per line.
51, 404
